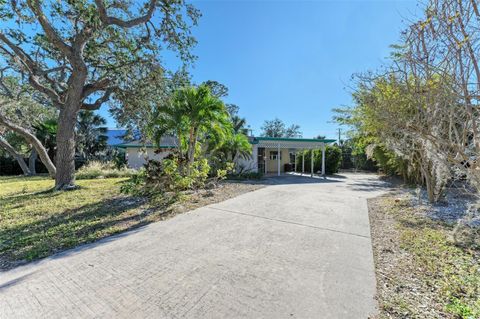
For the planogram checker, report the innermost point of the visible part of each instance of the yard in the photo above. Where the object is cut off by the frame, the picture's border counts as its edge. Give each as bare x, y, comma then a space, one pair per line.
36, 222
421, 271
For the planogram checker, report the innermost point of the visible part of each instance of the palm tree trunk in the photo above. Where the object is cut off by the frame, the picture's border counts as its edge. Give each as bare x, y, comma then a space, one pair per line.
192, 144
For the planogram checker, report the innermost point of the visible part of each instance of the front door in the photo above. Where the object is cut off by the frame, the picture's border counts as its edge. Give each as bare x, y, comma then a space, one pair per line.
261, 160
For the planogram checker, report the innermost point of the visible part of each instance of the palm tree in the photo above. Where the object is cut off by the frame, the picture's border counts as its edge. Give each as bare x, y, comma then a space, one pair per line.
91, 135
238, 146
239, 124
197, 113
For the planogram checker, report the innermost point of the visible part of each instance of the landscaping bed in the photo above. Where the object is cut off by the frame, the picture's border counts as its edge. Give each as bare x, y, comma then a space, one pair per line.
422, 271
36, 222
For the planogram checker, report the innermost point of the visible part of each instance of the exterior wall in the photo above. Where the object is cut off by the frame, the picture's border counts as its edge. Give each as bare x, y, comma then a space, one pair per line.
248, 164
272, 165
136, 158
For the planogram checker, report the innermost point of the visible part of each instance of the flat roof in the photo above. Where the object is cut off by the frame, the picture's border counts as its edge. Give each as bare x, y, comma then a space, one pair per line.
287, 139
252, 140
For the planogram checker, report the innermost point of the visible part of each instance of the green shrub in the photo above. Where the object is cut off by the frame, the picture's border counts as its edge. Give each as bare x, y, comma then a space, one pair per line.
171, 175
96, 169
333, 159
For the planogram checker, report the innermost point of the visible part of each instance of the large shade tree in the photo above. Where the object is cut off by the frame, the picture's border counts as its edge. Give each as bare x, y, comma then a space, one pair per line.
80, 53
278, 128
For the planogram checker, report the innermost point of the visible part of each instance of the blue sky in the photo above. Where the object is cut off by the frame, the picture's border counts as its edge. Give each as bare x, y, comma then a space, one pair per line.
293, 59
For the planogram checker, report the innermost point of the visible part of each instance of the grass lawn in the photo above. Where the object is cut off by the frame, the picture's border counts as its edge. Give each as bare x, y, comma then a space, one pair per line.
36, 222
421, 271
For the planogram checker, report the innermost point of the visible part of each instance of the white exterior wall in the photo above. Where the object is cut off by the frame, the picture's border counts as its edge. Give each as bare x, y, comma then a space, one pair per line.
249, 164
272, 165
136, 158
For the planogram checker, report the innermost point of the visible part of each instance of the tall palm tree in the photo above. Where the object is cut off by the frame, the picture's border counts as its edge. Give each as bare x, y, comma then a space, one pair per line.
238, 146
195, 112
239, 124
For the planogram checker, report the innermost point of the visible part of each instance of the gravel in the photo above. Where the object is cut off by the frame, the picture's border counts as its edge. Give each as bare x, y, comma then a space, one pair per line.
457, 206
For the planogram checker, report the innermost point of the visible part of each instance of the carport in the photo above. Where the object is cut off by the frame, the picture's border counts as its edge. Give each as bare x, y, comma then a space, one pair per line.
266, 146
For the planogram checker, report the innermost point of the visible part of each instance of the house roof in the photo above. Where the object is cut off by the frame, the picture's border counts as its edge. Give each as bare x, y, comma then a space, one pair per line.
255, 140
165, 142
290, 143
172, 142
115, 136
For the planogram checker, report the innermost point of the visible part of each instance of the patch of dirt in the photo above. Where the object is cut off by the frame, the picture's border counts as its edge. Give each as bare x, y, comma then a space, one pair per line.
225, 190
401, 292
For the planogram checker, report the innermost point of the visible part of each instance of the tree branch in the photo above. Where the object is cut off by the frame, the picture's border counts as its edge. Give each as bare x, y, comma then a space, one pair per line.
17, 156
100, 85
122, 23
32, 139
96, 105
50, 32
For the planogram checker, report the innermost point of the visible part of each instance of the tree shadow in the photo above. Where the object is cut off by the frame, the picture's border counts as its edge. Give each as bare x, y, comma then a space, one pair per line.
289, 179
40, 238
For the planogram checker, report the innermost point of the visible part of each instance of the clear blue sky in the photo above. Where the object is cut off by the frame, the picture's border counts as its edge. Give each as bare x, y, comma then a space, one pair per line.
293, 59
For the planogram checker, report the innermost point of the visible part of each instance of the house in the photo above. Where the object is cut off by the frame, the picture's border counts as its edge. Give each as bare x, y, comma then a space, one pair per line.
269, 154
137, 153
273, 154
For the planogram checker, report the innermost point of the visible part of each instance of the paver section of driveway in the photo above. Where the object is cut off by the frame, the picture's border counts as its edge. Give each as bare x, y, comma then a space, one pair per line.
298, 248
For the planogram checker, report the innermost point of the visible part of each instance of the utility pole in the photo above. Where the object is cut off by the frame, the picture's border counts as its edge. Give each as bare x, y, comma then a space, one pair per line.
339, 136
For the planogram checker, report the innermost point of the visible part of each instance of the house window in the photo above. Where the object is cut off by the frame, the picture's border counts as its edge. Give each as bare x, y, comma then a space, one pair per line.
274, 155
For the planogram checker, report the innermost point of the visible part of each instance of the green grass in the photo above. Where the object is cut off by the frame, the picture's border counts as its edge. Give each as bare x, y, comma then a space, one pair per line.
451, 270
36, 222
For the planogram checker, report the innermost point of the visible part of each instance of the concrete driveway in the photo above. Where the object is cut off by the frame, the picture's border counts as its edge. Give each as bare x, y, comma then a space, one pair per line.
298, 248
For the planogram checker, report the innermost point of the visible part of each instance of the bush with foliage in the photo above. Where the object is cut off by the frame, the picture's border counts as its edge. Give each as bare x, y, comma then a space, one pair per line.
97, 169
333, 159
172, 175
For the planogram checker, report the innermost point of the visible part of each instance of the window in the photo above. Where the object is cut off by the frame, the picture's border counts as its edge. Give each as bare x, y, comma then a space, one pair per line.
274, 155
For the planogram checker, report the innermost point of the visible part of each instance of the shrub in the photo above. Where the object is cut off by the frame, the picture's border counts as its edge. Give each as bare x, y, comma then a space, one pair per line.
97, 169
333, 159
172, 175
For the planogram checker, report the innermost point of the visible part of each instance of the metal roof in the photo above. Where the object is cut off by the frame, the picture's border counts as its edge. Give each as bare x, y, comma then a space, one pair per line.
283, 142
165, 142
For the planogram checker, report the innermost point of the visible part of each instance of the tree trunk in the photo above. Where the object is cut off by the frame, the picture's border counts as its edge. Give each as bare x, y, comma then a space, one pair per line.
193, 144
32, 160
32, 139
65, 156
18, 157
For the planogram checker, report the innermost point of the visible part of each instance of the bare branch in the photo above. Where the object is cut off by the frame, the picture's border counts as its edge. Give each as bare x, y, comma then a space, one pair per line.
99, 85
122, 23
50, 32
98, 103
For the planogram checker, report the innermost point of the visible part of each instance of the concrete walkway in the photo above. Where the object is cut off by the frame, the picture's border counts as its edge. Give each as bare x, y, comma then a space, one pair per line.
298, 248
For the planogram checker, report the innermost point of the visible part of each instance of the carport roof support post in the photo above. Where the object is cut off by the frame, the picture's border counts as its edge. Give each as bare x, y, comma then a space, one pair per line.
278, 159
323, 160
311, 162
303, 161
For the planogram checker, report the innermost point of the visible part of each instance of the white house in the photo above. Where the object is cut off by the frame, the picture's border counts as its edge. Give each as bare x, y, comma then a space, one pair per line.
269, 154
138, 153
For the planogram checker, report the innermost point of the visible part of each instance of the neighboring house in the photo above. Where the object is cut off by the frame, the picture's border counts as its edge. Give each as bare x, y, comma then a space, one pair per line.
115, 136
269, 154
